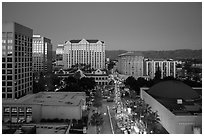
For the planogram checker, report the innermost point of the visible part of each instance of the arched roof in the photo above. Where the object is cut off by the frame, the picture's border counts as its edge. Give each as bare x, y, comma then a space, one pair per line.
173, 89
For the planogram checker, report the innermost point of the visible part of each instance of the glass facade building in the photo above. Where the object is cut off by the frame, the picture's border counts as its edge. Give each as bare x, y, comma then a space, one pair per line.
16, 60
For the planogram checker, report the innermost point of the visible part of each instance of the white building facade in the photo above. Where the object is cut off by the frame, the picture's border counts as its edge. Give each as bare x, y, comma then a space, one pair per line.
167, 68
130, 64
90, 52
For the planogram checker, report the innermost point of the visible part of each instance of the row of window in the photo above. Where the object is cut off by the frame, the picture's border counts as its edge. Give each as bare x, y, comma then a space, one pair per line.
23, 80
102, 83
39, 41
9, 95
19, 109
23, 44
10, 47
10, 53
23, 37
19, 76
8, 77
24, 49
26, 86
8, 71
100, 78
18, 65
7, 34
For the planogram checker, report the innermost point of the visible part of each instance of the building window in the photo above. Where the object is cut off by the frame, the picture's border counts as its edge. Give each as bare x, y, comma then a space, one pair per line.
9, 59
3, 65
3, 89
3, 59
3, 46
14, 109
10, 41
9, 77
9, 34
9, 72
3, 71
3, 53
9, 89
3, 95
9, 83
6, 109
9, 95
10, 47
28, 109
9, 53
21, 109
9, 65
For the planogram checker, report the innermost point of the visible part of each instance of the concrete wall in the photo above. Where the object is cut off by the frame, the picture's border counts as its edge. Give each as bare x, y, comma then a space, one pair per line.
61, 112
36, 112
172, 123
186, 123
168, 119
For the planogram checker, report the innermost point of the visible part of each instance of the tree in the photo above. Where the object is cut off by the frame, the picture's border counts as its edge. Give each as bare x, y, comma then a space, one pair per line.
97, 120
111, 65
151, 120
130, 81
97, 99
70, 80
87, 83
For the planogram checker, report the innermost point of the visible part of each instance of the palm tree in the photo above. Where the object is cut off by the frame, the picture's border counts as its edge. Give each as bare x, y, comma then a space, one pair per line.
97, 120
151, 120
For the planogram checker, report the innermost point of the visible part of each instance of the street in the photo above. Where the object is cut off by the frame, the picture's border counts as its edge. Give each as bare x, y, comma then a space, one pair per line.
106, 127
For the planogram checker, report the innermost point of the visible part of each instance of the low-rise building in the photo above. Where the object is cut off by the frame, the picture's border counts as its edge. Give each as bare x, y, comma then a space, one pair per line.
179, 106
44, 105
101, 77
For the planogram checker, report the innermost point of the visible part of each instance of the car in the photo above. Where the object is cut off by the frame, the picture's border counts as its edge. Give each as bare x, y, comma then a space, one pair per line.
110, 100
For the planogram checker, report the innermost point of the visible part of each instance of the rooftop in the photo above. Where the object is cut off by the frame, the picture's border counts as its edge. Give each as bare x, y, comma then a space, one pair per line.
168, 93
51, 98
173, 89
88, 40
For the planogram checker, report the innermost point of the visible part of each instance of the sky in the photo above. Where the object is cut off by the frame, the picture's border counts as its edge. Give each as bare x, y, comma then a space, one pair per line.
122, 26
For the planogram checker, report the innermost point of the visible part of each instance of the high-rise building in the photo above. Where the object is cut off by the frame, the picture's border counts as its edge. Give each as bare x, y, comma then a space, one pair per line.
42, 54
166, 67
131, 63
16, 60
59, 55
90, 52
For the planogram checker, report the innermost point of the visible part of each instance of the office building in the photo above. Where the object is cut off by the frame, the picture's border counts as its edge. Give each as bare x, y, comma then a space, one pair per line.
44, 105
59, 55
89, 52
178, 105
166, 67
42, 54
17, 76
131, 64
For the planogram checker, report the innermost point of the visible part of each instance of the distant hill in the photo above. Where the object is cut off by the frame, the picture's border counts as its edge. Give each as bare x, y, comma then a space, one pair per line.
171, 54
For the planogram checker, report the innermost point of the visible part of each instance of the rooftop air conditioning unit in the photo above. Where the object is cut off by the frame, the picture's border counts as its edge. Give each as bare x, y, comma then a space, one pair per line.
179, 101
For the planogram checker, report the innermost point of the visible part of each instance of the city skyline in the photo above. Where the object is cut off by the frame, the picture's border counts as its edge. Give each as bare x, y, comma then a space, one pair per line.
125, 26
